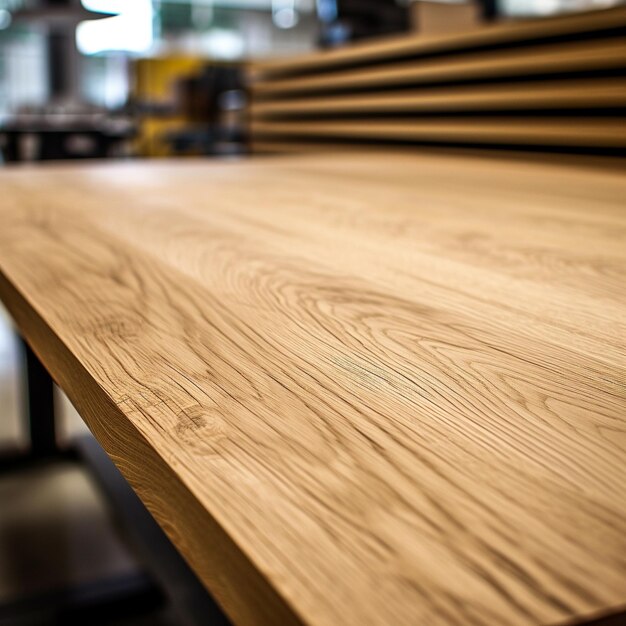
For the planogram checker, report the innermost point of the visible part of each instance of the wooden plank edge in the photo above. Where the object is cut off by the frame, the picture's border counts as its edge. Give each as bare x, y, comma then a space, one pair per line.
609, 54
556, 132
240, 588
552, 95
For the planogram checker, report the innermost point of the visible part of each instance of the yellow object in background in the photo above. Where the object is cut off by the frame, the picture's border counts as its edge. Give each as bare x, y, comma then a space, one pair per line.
154, 91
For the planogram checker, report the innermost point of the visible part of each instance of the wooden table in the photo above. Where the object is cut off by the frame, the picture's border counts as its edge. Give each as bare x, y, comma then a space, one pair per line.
353, 389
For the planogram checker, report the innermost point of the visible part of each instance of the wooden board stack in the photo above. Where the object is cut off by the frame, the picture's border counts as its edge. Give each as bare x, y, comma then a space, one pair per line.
550, 83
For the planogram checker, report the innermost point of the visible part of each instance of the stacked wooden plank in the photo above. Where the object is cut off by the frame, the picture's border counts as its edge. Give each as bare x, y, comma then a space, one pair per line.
557, 83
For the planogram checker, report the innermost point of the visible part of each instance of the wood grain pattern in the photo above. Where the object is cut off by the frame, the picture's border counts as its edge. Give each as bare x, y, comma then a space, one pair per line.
531, 61
571, 94
420, 45
562, 131
369, 389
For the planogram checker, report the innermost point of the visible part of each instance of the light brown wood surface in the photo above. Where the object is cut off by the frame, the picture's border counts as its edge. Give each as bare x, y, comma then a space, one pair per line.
378, 389
420, 45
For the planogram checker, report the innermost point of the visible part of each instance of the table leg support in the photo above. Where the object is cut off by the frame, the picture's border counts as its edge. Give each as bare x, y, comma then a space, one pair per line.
39, 406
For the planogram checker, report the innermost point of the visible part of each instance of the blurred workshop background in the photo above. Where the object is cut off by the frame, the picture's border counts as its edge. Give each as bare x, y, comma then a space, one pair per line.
151, 78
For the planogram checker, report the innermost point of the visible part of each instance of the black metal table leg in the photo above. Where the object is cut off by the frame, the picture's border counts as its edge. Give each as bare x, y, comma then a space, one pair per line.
39, 406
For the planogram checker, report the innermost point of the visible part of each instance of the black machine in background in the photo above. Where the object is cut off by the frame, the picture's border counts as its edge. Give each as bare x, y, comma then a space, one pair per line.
352, 20
212, 101
344, 21
66, 127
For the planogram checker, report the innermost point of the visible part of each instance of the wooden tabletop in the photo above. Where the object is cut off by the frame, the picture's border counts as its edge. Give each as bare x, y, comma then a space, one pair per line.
360, 389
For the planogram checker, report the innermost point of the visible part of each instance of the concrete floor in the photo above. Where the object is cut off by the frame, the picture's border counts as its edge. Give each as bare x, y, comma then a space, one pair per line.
55, 531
